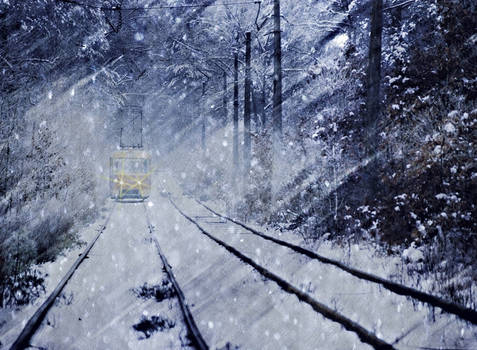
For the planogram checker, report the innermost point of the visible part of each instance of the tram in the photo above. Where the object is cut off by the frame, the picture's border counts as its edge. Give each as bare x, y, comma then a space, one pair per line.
130, 175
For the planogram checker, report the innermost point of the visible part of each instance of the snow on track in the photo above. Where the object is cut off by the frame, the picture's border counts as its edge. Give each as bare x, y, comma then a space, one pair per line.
194, 333
34, 322
231, 303
394, 318
461, 311
99, 308
363, 334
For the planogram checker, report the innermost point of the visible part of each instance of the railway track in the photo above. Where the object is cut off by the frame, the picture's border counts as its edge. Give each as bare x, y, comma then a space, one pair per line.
458, 311
452, 308
364, 335
194, 333
33, 324
35, 321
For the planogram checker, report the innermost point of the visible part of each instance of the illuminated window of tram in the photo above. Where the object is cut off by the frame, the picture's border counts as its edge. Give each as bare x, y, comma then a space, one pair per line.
131, 165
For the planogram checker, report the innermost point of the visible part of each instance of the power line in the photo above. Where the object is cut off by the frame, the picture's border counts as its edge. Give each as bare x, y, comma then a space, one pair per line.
119, 8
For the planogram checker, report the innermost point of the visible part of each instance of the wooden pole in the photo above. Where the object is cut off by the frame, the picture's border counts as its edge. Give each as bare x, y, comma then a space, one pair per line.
224, 100
247, 151
203, 119
277, 75
236, 116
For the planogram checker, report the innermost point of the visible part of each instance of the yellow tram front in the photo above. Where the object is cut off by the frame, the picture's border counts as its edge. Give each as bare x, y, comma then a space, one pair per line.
130, 174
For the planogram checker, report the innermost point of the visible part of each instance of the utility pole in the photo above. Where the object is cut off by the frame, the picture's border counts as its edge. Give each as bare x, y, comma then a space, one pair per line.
373, 102
247, 152
236, 116
277, 75
224, 100
203, 118
258, 98
141, 142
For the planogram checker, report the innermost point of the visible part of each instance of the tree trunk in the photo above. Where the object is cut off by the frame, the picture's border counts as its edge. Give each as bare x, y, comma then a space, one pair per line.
262, 104
247, 151
373, 101
236, 115
277, 74
203, 119
335, 182
224, 100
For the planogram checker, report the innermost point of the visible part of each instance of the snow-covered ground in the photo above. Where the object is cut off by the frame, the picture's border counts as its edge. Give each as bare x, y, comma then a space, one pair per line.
390, 316
231, 303
98, 307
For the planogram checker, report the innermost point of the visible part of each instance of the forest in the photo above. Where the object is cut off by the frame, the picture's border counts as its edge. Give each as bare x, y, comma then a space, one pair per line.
342, 121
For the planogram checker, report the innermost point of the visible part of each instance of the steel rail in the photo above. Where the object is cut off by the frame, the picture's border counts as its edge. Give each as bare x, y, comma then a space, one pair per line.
23, 339
196, 336
467, 314
364, 335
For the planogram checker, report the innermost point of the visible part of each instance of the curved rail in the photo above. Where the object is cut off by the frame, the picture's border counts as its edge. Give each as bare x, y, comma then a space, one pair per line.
23, 339
452, 308
364, 335
194, 332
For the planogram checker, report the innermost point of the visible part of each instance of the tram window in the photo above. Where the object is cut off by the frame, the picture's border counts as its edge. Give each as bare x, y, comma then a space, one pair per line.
131, 165
136, 165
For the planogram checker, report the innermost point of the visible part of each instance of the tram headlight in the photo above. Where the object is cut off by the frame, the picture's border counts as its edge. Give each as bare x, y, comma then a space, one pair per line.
139, 183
